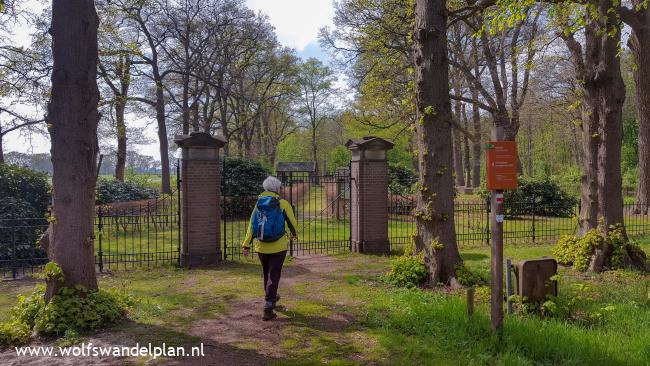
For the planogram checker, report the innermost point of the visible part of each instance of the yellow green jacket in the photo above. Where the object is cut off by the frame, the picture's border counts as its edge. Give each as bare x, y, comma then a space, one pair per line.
281, 244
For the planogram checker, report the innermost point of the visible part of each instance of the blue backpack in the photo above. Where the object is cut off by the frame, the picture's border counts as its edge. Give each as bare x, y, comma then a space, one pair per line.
268, 220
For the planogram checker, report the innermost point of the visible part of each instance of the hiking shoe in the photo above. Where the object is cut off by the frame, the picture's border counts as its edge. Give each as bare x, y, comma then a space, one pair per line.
269, 314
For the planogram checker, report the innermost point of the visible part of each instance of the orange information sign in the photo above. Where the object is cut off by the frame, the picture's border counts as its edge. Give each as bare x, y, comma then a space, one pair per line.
501, 159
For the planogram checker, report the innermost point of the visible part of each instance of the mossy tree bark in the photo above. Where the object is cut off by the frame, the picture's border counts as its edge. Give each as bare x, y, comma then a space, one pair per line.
598, 68
435, 235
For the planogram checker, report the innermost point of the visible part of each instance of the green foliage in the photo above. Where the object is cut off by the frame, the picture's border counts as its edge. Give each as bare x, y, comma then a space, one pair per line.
467, 278
564, 251
29, 307
401, 180
51, 273
28, 189
70, 338
541, 197
13, 333
339, 157
630, 180
630, 148
69, 309
112, 190
571, 250
243, 177
581, 307
25, 197
568, 179
407, 271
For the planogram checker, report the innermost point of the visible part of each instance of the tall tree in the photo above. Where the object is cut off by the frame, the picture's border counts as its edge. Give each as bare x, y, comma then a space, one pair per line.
508, 54
638, 18
143, 16
601, 89
316, 93
598, 68
435, 235
72, 120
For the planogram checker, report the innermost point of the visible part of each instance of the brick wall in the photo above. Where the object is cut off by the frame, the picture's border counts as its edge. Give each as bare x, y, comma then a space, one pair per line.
370, 207
201, 212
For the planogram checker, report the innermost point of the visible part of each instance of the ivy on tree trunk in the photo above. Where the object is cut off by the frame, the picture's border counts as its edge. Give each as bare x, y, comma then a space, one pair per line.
435, 235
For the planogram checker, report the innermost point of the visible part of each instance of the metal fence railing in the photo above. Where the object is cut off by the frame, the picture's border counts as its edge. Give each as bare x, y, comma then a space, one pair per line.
321, 205
525, 223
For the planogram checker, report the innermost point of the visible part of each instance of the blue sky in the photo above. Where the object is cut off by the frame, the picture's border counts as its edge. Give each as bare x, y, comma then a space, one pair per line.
297, 22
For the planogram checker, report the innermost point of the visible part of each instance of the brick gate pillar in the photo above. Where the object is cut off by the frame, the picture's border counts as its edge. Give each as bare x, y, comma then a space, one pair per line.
200, 198
369, 195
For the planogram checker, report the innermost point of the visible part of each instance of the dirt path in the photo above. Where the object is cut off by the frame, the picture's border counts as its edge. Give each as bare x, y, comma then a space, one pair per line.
243, 324
239, 337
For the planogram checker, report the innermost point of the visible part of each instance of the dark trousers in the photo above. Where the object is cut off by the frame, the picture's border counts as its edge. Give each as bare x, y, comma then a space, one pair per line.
272, 267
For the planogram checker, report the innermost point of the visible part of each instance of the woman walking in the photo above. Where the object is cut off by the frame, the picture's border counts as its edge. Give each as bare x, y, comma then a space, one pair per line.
267, 230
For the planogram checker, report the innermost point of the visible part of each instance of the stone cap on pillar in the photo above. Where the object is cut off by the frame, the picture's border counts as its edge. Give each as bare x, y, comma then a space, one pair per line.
369, 148
200, 140
200, 146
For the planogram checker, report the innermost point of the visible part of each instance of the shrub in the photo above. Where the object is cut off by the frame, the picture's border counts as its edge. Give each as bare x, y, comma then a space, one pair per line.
69, 310
407, 271
564, 250
112, 190
571, 250
580, 307
467, 278
539, 197
243, 177
13, 333
28, 187
75, 309
401, 180
25, 197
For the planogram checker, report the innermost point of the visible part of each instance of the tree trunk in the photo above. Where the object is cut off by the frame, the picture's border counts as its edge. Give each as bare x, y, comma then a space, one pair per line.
639, 43
435, 234
2, 154
529, 129
466, 159
476, 144
162, 137
73, 119
603, 93
121, 140
458, 152
314, 153
185, 121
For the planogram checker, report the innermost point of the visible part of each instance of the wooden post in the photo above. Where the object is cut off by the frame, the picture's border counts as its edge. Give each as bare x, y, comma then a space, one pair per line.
508, 285
501, 164
496, 221
470, 301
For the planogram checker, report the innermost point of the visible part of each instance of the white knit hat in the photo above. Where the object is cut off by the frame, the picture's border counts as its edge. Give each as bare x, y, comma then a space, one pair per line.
272, 184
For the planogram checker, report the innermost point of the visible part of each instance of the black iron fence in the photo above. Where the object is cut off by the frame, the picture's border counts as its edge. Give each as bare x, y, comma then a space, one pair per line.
147, 233
127, 235
138, 233
19, 254
525, 223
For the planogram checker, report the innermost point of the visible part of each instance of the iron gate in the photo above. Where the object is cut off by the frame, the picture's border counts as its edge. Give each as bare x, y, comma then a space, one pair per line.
321, 205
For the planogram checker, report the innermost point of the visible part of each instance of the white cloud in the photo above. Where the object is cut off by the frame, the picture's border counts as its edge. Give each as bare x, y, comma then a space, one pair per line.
296, 21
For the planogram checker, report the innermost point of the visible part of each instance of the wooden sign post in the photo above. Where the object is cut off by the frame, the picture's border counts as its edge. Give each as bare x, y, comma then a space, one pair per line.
501, 161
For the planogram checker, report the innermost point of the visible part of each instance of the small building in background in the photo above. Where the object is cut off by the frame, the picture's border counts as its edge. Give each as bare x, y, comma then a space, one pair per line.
296, 170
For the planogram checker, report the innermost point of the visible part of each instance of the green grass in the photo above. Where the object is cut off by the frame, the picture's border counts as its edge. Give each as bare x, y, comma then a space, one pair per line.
347, 316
